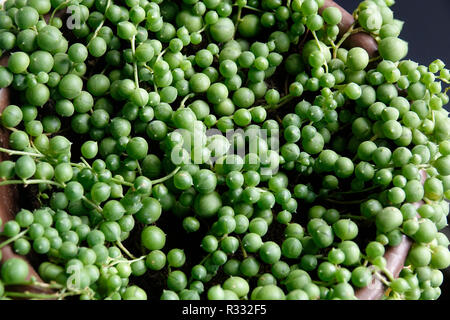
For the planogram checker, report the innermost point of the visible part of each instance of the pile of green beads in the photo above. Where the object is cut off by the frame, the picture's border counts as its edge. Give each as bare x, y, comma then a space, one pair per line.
220, 149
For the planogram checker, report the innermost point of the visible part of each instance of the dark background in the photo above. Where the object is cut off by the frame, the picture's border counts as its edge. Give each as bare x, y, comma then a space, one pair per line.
426, 28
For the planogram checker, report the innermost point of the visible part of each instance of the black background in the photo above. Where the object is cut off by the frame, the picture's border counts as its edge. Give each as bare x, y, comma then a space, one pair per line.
426, 28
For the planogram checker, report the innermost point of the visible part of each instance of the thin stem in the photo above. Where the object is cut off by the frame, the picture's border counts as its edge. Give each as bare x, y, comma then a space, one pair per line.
322, 283
170, 175
122, 247
354, 192
185, 99
86, 163
56, 9
139, 169
287, 98
97, 207
21, 153
125, 183
344, 202
205, 258
77, 165
133, 50
51, 285
350, 216
238, 18
148, 68
252, 8
382, 279
31, 295
126, 261
27, 182
320, 48
17, 236
99, 26
202, 29
388, 274
244, 252
63, 291
344, 37
333, 45
375, 59
160, 55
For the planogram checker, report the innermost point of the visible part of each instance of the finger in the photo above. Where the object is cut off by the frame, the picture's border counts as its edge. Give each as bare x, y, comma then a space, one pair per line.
360, 39
395, 260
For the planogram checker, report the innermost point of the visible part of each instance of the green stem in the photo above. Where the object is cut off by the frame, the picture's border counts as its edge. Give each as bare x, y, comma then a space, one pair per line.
205, 258
77, 165
60, 6
170, 175
148, 68
126, 261
388, 274
354, 192
344, 37
382, 279
21, 153
133, 50
17, 236
344, 202
52, 285
202, 29
125, 183
333, 45
375, 59
97, 207
86, 163
320, 48
122, 247
238, 19
244, 252
139, 169
160, 54
322, 283
254, 9
286, 99
27, 182
350, 216
31, 295
99, 26
185, 99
